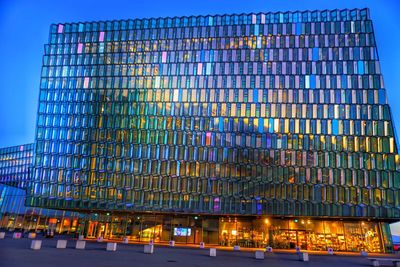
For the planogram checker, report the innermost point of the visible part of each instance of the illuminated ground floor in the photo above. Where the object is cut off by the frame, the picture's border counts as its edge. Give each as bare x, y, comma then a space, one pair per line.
283, 233
40, 220
15, 216
318, 234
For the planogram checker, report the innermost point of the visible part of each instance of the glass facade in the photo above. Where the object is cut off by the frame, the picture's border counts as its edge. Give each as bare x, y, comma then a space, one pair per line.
15, 169
15, 216
269, 114
15, 164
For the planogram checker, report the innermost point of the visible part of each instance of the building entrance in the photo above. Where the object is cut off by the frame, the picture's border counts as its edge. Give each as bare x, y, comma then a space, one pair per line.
96, 229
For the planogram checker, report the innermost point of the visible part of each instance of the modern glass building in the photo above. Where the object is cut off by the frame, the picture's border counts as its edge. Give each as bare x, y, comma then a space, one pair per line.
251, 129
15, 164
15, 169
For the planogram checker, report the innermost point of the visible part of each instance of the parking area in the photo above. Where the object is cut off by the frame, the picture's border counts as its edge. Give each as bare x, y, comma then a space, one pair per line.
17, 253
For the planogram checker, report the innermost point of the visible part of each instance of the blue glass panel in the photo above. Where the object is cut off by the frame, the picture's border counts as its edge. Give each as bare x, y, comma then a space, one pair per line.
80, 27
259, 208
356, 53
307, 81
208, 69
260, 125
315, 53
271, 125
221, 124
266, 53
210, 21
202, 56
268, 140
382, 97
360, 67
101, 48
335, 127
298, 28
344, 81
180, 95
259, 42
256, 29
255, 95
312, 81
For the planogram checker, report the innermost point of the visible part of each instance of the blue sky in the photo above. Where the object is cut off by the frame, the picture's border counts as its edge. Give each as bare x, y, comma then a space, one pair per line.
24, 27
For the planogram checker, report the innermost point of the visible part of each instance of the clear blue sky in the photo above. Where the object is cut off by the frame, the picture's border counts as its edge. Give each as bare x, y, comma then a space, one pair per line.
24, 27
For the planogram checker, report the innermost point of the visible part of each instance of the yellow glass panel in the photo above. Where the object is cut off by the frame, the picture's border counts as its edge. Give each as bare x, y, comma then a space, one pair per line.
231, 95
391, 144
318, 126
233, 110
253, 110
286, 125
203, 95
262, 110
276, 125
296, 125
221, 95
166, 95
223, 109
184, 95
242, 110
336, 111
193, 95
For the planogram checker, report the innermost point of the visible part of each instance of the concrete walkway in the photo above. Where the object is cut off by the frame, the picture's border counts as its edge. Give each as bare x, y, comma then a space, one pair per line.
225, 248
17, 253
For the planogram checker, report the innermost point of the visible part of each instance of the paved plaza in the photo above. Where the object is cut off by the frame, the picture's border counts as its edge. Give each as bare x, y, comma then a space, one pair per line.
17, 253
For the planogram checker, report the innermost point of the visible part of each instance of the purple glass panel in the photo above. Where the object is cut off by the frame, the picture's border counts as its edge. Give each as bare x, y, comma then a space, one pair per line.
101, 37
164, 57
80, 46
60, 28
199, 68
216, 204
